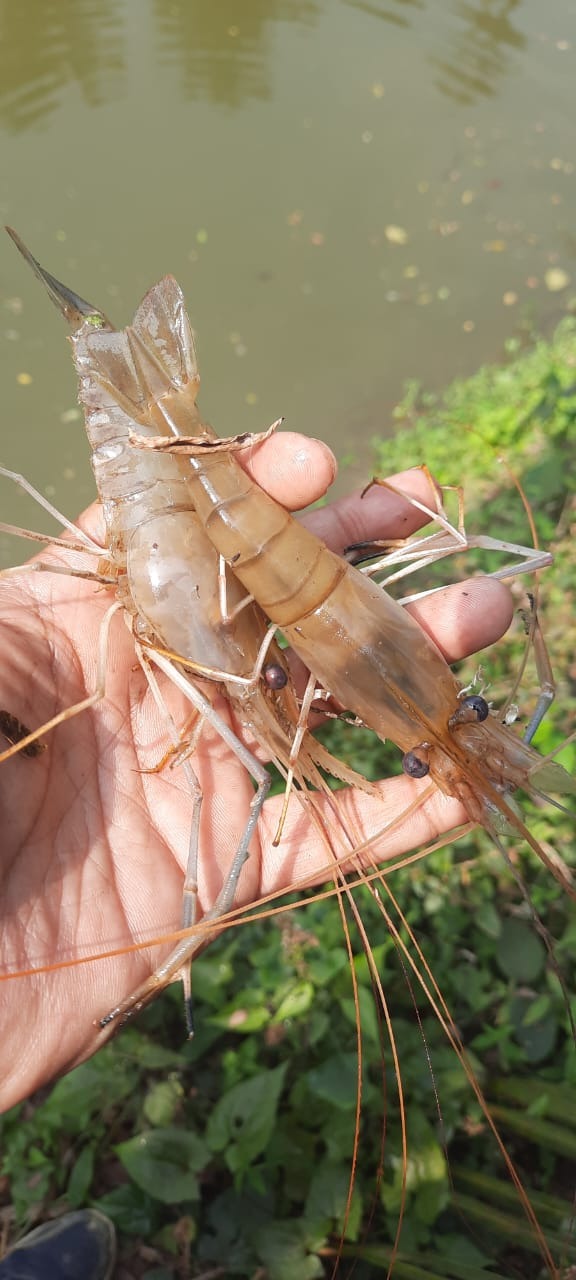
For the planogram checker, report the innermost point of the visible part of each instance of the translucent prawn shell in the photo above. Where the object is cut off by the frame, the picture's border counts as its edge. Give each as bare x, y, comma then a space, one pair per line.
359, 643
362, 646
132, 485
153, 533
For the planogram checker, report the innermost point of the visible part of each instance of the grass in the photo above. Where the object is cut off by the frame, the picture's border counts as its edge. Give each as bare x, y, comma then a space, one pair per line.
230, 1155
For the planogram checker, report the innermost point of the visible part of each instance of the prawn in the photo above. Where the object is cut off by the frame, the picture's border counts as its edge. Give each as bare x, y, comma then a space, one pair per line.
356, 639
435, 730
186, 611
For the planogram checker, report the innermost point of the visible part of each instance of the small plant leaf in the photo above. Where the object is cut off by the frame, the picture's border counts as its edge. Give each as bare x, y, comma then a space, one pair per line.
335, 1080
164, 1163
242, 1121
80, 1179
520, 953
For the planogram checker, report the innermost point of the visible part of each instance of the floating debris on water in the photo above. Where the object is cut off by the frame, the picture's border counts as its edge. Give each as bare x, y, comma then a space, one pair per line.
556, 279
396, 235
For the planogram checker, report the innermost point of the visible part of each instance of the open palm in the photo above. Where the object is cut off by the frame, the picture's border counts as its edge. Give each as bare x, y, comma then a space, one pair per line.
93, 845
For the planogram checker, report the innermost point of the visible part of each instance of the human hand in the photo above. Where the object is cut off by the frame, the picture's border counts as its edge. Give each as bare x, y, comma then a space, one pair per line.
94, 848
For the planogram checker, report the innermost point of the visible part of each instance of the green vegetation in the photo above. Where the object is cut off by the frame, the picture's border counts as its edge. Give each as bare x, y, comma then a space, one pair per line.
230, 1155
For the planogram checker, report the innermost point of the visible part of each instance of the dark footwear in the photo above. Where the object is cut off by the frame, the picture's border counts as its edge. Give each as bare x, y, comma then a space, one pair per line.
78, 1246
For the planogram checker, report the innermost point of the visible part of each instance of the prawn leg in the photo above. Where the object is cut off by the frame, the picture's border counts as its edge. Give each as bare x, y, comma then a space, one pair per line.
43, 566
81, 542
84, 704
543, 668
190, 886
52, 540
29, 744
180, 957
86, 543
421, 551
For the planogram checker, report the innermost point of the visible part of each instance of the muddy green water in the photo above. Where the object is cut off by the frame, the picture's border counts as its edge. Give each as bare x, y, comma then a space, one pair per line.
351, 193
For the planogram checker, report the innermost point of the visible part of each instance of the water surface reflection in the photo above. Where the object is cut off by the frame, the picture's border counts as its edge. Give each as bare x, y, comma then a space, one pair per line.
223, 51
352, 193
479, 55
46, 46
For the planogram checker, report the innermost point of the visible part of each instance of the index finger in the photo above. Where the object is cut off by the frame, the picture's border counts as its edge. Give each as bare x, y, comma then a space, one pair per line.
297, 470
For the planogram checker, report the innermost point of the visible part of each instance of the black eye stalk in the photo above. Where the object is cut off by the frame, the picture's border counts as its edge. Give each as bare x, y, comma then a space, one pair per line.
415, 763
471, 710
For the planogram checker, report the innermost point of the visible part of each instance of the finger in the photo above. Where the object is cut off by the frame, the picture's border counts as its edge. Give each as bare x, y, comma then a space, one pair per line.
295, 470
466, 617
376, 512
305, 854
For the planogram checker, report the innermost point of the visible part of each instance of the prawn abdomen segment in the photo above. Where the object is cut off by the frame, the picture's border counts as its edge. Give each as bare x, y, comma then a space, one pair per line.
360, 644
284, 566
180, 605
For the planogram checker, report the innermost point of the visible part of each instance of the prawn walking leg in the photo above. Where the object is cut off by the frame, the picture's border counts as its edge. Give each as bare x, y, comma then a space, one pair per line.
23, 744
420, 552
176, 962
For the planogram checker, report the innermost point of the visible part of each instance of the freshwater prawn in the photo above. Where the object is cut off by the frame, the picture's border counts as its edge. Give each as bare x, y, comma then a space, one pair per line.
154, 537
186, 611
441, 730
358, 641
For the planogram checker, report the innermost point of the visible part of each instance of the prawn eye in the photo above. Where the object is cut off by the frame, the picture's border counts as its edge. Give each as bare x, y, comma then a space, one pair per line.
415, 764
469, 711
477, 704
274, 676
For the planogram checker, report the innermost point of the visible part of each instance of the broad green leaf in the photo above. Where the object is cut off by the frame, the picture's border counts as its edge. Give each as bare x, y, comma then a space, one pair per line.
327, 1198
536, 1009
426, 1175
164, 1163
242, 1121
130, 1209
88, 1090
163, 1101
368, 1013
246, 1012
149, 1053
80, 1179
488, 920
284, 1250
520, 953
296, 1002
336, 1080
28, 1191
324, 965
537, 1036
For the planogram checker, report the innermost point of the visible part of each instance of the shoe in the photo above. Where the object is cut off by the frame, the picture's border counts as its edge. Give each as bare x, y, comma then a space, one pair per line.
77, 1246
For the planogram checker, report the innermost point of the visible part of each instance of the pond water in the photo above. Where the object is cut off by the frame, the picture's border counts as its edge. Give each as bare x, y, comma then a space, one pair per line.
351, 193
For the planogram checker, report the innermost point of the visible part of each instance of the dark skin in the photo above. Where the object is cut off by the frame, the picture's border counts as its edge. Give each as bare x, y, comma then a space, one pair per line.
93, 848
